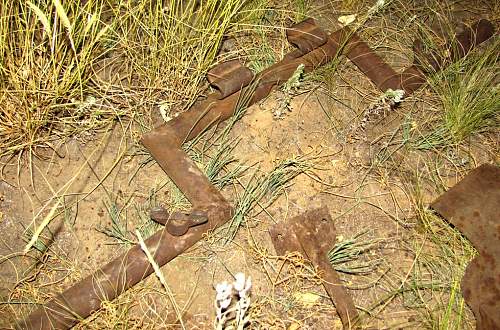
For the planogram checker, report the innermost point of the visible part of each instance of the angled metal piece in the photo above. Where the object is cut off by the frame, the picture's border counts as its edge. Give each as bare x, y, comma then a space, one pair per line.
229, 77
312, 234
412, 78
473, 206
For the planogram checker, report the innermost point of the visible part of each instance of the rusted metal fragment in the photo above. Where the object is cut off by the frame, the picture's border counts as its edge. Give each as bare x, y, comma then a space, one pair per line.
473, 206
460, 46
371, 64
212, 110
160, 215
312, 234
410, 80
306, 36
413, 77
384, 77
229, 77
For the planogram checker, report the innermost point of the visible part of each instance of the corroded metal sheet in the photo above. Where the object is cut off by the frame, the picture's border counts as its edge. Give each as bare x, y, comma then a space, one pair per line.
473, 206
312, 234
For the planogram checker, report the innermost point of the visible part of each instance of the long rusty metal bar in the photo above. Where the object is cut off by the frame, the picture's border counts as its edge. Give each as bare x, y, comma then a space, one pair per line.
213, 110
412, 78
164, 143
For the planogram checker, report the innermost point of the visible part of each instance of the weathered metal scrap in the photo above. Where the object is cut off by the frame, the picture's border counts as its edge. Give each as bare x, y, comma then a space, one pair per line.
462, 44
229, 77
210, 209
213, 110
413, 77
473, 206
164, 144
312, 234
79, 301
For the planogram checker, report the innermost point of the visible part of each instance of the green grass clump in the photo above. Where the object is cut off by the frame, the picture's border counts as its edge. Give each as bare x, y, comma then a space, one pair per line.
469, 95
170, 45
262, 190
344, 256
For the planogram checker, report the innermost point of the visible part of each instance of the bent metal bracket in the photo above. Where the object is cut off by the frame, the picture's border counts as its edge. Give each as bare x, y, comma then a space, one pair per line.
314, 47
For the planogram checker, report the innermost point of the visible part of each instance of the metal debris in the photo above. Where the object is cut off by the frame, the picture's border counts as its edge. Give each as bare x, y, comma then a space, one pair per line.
412, 78
473, 206
316, 48
463, 44
306, 36
312, 234
107, 283
229, 77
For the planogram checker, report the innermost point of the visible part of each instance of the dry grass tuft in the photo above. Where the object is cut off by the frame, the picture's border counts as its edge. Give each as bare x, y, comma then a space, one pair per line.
73, 67
46, 55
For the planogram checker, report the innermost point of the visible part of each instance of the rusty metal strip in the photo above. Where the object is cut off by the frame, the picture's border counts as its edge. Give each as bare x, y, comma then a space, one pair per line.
473, 206
462, 44
212, 110
312, 234
372, 65
110, 281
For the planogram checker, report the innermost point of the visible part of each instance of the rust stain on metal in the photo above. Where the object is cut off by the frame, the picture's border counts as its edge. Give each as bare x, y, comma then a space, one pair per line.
312, 234
473, 206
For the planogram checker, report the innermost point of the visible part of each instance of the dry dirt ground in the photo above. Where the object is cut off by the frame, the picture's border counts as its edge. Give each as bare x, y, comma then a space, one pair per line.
107, 173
